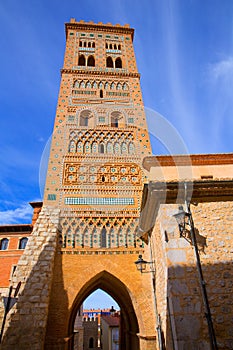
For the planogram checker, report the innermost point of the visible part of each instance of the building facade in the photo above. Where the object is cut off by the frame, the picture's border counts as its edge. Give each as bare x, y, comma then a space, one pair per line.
92, 226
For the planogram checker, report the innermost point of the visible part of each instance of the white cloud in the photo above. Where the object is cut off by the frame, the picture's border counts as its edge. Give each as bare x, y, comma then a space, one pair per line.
222, 69
17, 215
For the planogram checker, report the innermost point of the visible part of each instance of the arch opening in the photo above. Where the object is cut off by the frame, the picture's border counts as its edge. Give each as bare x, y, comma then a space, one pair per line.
128, 324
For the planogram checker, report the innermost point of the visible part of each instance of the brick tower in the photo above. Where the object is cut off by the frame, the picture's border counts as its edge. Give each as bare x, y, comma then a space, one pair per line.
85, 237
99, 139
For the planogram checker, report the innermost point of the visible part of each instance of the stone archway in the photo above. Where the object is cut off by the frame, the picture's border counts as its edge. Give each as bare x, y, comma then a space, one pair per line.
117, 290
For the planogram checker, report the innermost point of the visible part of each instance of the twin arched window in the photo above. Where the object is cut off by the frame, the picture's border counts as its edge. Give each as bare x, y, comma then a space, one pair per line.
90, 61
110, 63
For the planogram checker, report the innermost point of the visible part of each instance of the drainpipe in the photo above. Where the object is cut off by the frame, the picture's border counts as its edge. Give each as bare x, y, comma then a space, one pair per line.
212, 337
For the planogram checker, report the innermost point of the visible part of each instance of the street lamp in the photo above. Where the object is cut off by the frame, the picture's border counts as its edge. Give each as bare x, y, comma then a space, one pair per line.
184, 219
141, 265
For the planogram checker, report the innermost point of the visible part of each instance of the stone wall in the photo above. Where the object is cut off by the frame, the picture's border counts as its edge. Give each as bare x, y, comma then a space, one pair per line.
26, 322
178, 290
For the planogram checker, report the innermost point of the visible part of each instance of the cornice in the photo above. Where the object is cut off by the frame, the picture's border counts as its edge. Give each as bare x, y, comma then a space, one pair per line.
156, 193
191, 159
195, 191
18, 228
108, 28
99, 73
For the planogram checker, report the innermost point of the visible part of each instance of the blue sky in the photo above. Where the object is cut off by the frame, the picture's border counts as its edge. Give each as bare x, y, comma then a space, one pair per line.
184, 52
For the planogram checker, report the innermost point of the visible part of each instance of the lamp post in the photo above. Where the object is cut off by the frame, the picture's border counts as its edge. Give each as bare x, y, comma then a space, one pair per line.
141, 265
185, 218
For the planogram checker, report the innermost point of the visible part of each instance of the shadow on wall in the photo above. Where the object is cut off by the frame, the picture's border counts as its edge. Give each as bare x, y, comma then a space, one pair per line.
186, 322
27, 322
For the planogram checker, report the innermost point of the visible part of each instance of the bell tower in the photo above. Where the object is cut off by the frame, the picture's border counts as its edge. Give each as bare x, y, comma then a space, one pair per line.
99, 140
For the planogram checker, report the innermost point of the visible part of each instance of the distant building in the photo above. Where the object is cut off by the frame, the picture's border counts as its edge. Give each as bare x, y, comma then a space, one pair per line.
110, 332
13, 241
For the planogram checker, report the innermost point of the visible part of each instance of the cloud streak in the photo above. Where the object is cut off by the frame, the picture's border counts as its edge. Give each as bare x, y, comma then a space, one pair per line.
21, 214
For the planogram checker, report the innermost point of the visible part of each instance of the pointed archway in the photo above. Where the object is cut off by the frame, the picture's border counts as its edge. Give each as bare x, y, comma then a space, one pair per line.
117, 290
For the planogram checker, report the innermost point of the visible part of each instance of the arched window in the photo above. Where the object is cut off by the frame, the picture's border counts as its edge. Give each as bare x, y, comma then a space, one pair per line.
109, 147
131, 148
88, 85
81, 60
87, 147
101, 94
112, 86
93, 44
125, 86
94, 147
84, 44
89, 44
82, 85
119, 47
118, 63
23, 242
72, 146
109, 62
110, 46
103, 237
116, 148
106, 85
118, 86
101, 148
124, 148
83, 120
4, 244
76, 84
80, 147
115, 47
91, 343
106, 45
91, 61
94, 85
100, 85
86, 117
114, 121
80, 43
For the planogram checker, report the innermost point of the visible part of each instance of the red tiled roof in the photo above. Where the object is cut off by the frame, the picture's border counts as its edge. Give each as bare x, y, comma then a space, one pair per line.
112, 321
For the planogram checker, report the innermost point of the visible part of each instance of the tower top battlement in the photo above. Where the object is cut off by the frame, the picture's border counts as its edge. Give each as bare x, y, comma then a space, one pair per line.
100, 26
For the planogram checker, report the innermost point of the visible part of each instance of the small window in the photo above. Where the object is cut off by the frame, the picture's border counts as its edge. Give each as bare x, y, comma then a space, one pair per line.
81, 60
101, 148
91, 61
4, 244
101, 93
91, 343
115, 47
93, 45
84, 44
103, 237
109, 62
114, 121
118, 63
106, 45
119, 47
80, 43
110, 46
23, 243
89, 44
